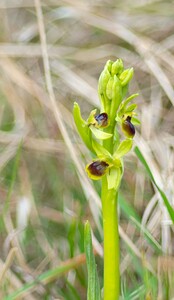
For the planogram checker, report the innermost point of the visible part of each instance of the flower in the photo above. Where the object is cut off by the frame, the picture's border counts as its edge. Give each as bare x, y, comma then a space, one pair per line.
102, 120
97, 169
128, 128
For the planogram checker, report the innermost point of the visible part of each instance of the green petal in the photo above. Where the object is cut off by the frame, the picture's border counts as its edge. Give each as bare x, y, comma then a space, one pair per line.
101, 135
123, 148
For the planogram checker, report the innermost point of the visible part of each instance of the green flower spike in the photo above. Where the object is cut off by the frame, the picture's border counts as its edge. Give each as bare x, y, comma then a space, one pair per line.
101, 135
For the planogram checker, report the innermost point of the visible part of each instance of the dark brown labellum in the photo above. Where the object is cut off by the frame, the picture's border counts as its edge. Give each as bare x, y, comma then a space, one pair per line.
98, 168
102, 119
128, 127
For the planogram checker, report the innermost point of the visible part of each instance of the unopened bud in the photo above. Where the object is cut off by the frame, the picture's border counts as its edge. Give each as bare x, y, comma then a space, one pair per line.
117, 67
126, 76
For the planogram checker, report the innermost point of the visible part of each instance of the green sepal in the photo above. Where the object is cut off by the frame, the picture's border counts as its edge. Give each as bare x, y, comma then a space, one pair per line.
123, 148
101, 152
99, 134
114, 178
82, 127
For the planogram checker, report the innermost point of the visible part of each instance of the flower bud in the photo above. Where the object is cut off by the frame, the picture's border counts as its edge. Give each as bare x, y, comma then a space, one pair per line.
117, 67
128, 128
126, 76
113, 85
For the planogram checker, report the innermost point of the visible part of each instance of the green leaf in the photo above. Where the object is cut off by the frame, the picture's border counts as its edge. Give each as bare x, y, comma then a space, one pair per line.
93, 281
99, 134
82, 127
101, 152
163, 196
114, 178
123, 148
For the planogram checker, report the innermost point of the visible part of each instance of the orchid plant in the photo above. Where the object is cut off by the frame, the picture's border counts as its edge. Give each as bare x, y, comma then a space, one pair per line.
108, 134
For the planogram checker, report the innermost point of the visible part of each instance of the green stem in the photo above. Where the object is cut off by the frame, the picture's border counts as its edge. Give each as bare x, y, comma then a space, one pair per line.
111, 243
111, 236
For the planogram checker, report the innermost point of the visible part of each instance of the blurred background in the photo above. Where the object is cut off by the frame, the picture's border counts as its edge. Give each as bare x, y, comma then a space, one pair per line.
51, 54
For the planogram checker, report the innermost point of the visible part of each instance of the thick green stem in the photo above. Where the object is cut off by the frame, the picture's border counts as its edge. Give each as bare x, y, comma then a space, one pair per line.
111, 243
111, 236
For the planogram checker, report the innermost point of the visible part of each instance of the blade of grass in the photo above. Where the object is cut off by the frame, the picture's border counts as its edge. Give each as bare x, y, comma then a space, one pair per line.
93, 281
47, 277
127, 209
163, 196
13, 178
148, 236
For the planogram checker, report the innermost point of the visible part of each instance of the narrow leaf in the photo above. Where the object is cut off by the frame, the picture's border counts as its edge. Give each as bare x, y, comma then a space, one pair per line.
93, 281
163, 196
